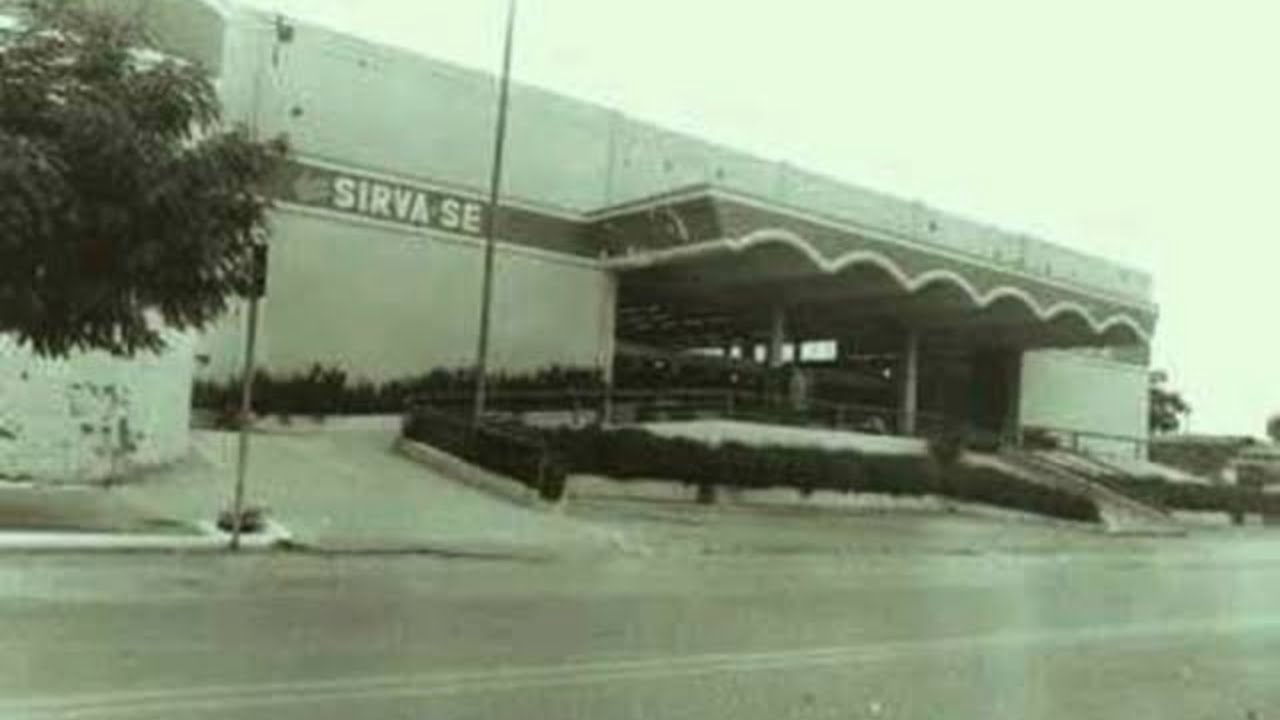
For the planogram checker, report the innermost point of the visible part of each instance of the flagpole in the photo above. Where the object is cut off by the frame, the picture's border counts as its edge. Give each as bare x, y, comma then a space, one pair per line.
491, 221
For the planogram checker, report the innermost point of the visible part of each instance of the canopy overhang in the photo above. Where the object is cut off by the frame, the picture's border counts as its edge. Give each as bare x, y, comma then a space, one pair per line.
707, 271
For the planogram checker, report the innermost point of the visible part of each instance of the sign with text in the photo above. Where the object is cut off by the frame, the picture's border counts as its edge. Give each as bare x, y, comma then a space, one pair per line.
378, 199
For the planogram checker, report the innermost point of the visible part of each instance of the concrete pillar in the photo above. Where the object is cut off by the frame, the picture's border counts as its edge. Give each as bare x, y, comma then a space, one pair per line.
1013, 412
607, 335
910, 383
607, 343
777, 336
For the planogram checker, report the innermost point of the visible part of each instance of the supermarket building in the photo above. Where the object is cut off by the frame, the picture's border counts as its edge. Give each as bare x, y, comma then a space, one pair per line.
617, 233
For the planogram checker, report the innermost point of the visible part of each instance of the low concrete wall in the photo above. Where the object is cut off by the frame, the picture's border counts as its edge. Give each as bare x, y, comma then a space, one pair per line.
587, 487
583, 487
1202, 519
334, 423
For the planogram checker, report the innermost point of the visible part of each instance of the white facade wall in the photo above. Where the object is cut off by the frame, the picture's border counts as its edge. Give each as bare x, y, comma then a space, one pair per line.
1084, 393
92, 416
355, 102
384, 303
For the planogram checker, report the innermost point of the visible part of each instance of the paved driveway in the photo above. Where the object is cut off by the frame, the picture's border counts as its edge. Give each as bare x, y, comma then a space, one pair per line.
347, 490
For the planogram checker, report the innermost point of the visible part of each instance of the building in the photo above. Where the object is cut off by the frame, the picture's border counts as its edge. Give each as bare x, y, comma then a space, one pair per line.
1215, 457
91, 416
615, 232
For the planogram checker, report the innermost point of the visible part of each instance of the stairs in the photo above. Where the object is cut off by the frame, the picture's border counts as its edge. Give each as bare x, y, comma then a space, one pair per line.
1075, 473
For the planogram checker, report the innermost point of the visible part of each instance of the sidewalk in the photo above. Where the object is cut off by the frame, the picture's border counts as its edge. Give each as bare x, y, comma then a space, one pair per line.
345, 490
81, 518
40, 541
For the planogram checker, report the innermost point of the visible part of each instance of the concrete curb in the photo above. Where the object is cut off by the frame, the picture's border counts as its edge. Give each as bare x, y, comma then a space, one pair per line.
448, 550
335, 423
210, 539
454, 468
790, 501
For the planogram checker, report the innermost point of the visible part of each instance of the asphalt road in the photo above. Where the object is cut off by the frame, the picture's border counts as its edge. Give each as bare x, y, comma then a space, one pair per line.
1190, 630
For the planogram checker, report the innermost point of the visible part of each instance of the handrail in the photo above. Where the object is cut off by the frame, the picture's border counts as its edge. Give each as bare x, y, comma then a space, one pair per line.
536, 394
601, 404
1074, 437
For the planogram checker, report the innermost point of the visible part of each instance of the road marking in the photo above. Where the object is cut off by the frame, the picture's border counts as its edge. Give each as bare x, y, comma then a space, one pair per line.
220, 698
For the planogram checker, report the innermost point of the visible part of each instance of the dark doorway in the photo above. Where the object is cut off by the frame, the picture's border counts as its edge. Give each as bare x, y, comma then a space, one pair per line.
993, 389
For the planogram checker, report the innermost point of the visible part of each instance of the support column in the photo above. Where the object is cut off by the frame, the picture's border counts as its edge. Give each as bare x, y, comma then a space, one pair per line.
910, 383
1013, 412
775, 389
607, 343
777, 336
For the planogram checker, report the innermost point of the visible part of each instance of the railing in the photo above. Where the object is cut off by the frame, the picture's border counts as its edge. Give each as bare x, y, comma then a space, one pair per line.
635, 405
1081, 441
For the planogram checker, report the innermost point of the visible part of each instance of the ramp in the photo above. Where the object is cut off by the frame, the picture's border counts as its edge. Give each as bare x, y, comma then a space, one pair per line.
1076, 474
347, 490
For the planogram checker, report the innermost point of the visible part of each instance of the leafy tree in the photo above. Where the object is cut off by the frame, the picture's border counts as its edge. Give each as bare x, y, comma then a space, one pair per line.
125, 204
1167, 406
1273, 428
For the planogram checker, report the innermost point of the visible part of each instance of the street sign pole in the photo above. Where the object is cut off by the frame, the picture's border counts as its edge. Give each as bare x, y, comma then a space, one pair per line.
491, 221
246, 392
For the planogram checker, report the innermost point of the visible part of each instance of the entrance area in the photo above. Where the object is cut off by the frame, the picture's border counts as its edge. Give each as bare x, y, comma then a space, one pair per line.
915, 357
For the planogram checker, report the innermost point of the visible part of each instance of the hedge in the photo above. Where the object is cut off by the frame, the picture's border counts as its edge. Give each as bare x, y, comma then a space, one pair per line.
542, 459
1207, 457
324, 390
1168, 495
508, 451
632, 454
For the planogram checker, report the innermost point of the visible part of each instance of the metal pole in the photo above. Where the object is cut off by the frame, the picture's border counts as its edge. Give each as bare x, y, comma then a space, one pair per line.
490, 225
251, 331
246, 411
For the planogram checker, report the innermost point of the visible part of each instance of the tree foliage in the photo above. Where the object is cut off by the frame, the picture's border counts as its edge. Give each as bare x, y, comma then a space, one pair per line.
1273, 428
125, 205
1167, 406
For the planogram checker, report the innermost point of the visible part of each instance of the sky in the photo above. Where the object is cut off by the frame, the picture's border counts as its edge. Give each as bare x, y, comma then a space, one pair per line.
1147, 131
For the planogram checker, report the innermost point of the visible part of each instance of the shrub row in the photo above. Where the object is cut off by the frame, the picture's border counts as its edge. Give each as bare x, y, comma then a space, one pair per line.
542, 461
1162, 493
632, 454
517, 454
1206, 458
325, 390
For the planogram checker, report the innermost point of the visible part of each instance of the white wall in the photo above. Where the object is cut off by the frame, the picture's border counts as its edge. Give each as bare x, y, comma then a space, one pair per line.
61, 420
378, 109
387, 303
431, 119
1075, 391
